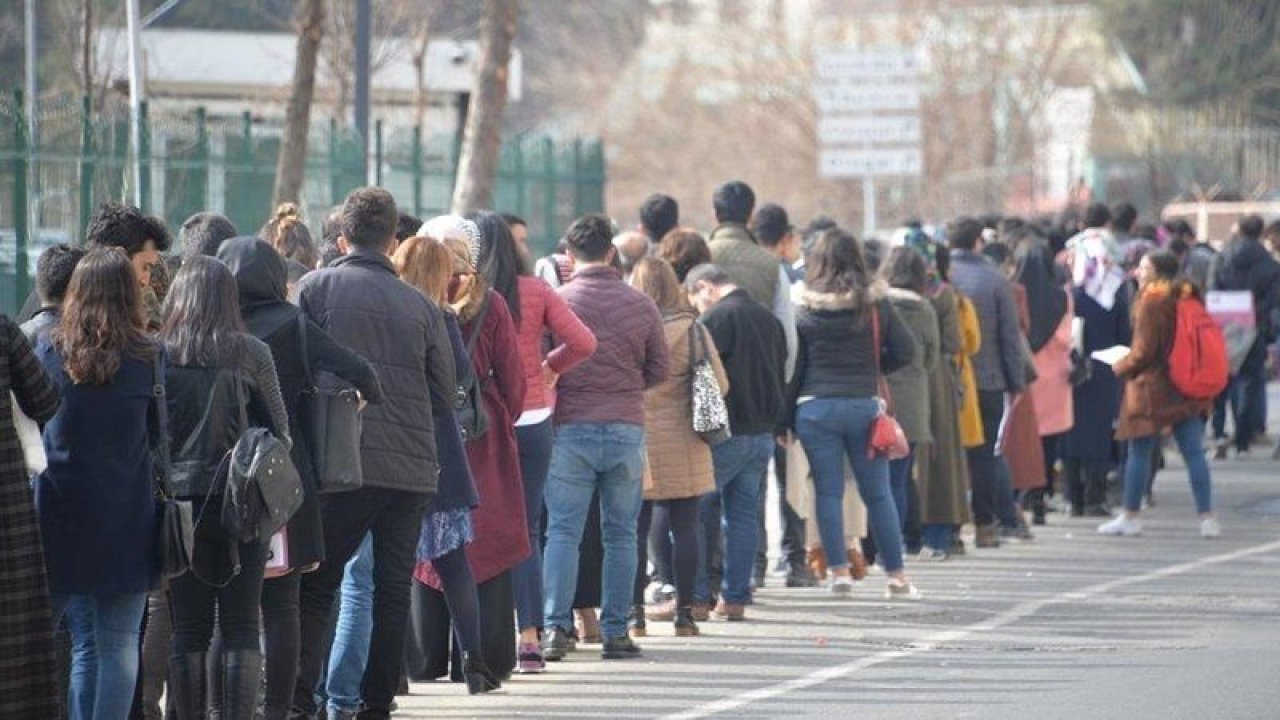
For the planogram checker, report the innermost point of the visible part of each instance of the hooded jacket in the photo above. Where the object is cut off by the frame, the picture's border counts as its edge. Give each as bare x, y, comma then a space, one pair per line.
1000, 364
1246, 265
363, 305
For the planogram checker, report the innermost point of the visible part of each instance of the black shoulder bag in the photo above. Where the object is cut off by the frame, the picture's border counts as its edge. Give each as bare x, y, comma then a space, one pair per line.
473, 421
330, 425
177, 527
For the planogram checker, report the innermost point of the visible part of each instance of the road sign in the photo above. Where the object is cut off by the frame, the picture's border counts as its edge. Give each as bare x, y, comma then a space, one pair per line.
856, 163
835, 98
863, 129
857, 65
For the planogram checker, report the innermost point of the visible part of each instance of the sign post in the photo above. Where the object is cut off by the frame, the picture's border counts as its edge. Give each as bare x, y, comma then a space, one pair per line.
868, 119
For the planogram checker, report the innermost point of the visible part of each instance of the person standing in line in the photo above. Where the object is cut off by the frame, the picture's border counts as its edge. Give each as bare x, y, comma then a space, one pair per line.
776, 234
539, 312
216, 368
600, 438
752, 347
363, 305
1088, 448
684, 249
998, 366
903, 271
659, 215
203, 233
841, 314
262, 277
95, 498
53, 276
1152, 402
680, 469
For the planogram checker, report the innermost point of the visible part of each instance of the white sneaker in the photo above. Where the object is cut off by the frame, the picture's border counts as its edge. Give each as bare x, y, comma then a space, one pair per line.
1121, 524
902, 591
1210, 529
841, 585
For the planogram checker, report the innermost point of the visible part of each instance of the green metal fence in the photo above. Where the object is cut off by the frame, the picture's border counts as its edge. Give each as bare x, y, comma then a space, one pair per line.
196, 161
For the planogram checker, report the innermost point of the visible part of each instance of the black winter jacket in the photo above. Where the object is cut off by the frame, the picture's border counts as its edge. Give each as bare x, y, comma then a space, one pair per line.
753, 350
1246, 265
361, 303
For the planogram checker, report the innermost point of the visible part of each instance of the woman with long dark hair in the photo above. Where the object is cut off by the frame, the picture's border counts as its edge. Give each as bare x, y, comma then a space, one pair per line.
835, 398
214, 366
261, 278
538, 313
95, 502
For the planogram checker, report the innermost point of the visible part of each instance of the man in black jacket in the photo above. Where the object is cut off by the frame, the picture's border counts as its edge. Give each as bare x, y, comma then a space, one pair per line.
753, 349
363, 305
1245, 264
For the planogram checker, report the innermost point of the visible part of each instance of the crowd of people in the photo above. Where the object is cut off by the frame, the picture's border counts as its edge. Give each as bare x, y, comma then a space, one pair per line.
559, 452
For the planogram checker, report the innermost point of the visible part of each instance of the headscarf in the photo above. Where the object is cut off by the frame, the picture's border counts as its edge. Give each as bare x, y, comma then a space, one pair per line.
444, 227
918, 240
1096, 265
1046, 298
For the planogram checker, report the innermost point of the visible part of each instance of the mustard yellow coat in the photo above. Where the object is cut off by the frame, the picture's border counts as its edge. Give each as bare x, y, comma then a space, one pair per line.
971, 434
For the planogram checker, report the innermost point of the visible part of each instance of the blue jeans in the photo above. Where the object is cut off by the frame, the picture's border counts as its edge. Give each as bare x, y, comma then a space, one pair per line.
350, 652
1190, 437
105, 632
535, 443
899, 476
586, 457
831, 429
739, 463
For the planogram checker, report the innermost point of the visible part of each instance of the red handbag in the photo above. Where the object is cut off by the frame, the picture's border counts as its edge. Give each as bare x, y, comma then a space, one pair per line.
886, 438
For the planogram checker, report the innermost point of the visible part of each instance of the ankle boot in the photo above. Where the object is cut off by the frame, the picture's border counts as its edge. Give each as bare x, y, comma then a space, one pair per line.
241, 677
987, 536
818, 562
686, 626
479, 678
635, 622
186, 685
857, 564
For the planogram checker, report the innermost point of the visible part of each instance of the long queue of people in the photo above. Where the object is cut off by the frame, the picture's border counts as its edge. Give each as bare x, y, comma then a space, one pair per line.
533, 438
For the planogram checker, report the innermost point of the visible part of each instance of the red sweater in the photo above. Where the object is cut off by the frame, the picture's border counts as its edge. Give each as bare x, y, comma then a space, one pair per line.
543, 311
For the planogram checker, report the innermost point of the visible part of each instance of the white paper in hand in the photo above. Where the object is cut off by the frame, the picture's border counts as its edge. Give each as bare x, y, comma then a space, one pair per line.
1111, 355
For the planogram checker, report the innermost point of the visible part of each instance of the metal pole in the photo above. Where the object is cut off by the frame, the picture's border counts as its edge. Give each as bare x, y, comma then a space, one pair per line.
136, 94
377, 153
363, 42
33, 129
86, 166
21, 229
868, 206
417, 170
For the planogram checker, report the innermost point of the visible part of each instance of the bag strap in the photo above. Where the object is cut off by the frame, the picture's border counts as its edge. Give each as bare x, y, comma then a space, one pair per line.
308, 381
881, 382
159, 396
477, 325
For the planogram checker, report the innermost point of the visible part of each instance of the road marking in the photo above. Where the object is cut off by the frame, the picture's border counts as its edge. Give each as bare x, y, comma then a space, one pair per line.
936, 640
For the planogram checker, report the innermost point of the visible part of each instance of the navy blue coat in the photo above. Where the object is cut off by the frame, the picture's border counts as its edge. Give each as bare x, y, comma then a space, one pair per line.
1097, 402
95, 501
457, 487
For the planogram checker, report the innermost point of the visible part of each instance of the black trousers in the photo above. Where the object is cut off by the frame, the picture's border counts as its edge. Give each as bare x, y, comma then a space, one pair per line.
435, 637
197, 605
395, 519
983, 462
681, 521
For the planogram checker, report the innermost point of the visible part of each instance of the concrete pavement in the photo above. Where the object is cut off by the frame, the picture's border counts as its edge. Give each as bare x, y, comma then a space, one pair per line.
1071, 625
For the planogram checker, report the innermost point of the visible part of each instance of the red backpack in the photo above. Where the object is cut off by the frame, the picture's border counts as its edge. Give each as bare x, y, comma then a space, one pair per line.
1198, 364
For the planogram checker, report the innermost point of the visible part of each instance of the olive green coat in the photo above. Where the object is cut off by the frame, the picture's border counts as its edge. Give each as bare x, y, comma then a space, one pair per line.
942, 470
910, 385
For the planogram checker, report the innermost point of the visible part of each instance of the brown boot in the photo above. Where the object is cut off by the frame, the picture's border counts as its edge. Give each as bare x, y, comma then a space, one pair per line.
987, 536
857, 564
818, 562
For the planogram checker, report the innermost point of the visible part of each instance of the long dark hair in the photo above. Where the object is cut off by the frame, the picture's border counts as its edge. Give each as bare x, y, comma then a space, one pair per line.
1046, 296
202, 324
499, 258
834, 264
102, 318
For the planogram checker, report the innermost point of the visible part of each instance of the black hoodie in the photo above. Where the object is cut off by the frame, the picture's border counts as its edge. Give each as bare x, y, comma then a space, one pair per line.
261, 276
1246, 265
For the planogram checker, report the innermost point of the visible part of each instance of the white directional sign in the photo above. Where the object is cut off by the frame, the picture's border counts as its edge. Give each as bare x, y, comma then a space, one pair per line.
863, 129
853, 64
865, 97
842, 163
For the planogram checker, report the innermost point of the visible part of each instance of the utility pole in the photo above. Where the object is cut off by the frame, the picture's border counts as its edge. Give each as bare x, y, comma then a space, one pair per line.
33, 122
364, 22
137, 93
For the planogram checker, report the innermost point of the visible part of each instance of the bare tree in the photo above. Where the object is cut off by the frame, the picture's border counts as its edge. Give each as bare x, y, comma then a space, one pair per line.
482, 141
297, 119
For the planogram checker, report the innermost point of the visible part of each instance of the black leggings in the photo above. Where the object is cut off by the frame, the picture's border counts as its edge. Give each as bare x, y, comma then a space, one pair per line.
682, 517
194, 602
282, 638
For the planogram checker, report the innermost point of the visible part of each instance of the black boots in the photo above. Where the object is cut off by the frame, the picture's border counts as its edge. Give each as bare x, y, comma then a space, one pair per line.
636, 627
479, 678
187, 684
685, 624
241, 678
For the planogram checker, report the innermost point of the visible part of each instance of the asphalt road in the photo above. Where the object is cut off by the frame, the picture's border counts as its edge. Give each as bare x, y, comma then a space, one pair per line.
1071, 625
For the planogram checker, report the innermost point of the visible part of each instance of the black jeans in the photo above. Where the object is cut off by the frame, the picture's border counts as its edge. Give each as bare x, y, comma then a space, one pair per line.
793, 549
196, 605
984, 463
395, 519
281, 625
681, 516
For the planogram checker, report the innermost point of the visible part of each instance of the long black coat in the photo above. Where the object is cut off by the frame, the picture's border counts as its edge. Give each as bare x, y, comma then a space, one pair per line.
1097, 402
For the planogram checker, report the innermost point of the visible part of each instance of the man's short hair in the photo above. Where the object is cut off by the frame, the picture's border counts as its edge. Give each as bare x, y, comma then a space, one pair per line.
658, 215
963, 233
407, 226
127, 227
369, 218
204, 232
53, 271
733, 202
706, 273
590, 237
1123, 216
1251, 226
1096, 215
771, 224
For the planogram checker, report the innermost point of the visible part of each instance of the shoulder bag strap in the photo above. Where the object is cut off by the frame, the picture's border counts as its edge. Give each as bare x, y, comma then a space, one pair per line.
159, 396
876, 349
477, 325
308, 381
